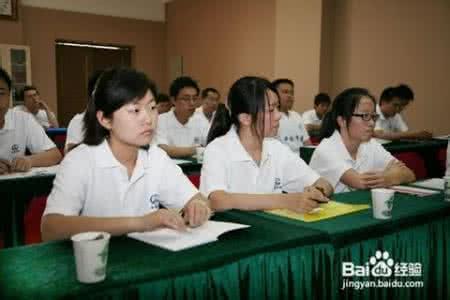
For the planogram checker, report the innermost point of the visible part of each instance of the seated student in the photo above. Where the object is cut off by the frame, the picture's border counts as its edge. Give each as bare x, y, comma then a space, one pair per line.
163, 103
390, 125
210, 101
247, 168
180, 131
120, 121
292, 131
37, 107
313, 118
19, 131
75, 130
348, 157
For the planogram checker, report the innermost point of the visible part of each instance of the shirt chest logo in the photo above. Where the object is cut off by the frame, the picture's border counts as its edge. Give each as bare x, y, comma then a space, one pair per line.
154, 201
15, 149
277, 184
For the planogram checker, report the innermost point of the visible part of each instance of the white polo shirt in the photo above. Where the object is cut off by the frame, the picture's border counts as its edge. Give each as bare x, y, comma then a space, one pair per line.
292, 131
227, 166
40, 117
391, 124
21, 132
171, 132
331, 160
310, 117
91, 182
75, 130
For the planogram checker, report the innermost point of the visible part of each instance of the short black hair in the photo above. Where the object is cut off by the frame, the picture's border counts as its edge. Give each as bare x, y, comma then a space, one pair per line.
404, 92
207, 90
5, 77
162, 98
322, 98
388, 94
279, 81
180, 83
27, 88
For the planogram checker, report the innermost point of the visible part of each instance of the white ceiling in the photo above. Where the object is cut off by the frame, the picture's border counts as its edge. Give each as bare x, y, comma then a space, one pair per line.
136, 9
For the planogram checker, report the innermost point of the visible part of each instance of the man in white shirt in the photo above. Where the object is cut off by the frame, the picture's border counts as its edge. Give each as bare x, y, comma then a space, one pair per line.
292, 131
18, 132
210, 99
180, 132
37, 107
313, 118
390, 125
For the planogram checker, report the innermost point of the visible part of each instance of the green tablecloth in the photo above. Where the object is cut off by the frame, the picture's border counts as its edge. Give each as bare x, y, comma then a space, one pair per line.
419, 231
269, 260
427, 149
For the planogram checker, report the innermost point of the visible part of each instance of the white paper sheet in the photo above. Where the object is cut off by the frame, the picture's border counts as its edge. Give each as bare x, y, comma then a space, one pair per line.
180, 161
413, 191
433, 183
173, 240
31, 173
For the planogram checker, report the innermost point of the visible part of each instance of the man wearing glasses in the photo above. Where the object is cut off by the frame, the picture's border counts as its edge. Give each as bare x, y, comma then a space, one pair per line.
180, 131
390, 125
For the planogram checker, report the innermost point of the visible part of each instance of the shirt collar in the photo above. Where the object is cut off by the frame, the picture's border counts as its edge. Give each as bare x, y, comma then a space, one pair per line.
106, 158
238, 152
188, 123
340, 147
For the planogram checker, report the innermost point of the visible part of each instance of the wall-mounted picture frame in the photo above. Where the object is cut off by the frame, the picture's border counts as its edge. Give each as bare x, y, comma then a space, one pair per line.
8, 9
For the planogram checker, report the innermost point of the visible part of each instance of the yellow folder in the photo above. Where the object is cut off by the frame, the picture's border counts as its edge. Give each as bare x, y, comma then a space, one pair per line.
325, 211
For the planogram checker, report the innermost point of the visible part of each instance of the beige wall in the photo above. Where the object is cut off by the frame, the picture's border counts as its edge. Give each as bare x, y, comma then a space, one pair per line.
136, 9
297, 47
40, 28
221, 41
384, 42
324, 45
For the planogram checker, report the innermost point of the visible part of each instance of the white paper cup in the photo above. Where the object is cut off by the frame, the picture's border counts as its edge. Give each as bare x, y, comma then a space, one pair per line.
91, 255
199, 154
382, 203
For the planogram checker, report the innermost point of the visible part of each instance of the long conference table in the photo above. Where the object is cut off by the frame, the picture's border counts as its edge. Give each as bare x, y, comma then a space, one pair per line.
275, 258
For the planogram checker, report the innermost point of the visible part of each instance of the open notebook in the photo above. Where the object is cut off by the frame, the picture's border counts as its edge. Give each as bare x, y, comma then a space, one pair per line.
173, 240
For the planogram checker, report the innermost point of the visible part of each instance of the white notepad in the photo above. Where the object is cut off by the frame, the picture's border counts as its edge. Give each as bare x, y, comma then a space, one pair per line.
180, 161
443, 137
174, 240
39, 171
433, 183
413, 191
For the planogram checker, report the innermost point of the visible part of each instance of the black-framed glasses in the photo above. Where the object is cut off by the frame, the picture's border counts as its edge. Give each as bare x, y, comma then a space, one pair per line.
368, 116
188, 98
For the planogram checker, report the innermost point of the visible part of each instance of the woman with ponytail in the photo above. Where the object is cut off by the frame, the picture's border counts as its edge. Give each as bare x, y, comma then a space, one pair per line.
348, 157
114, 182
245, 167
